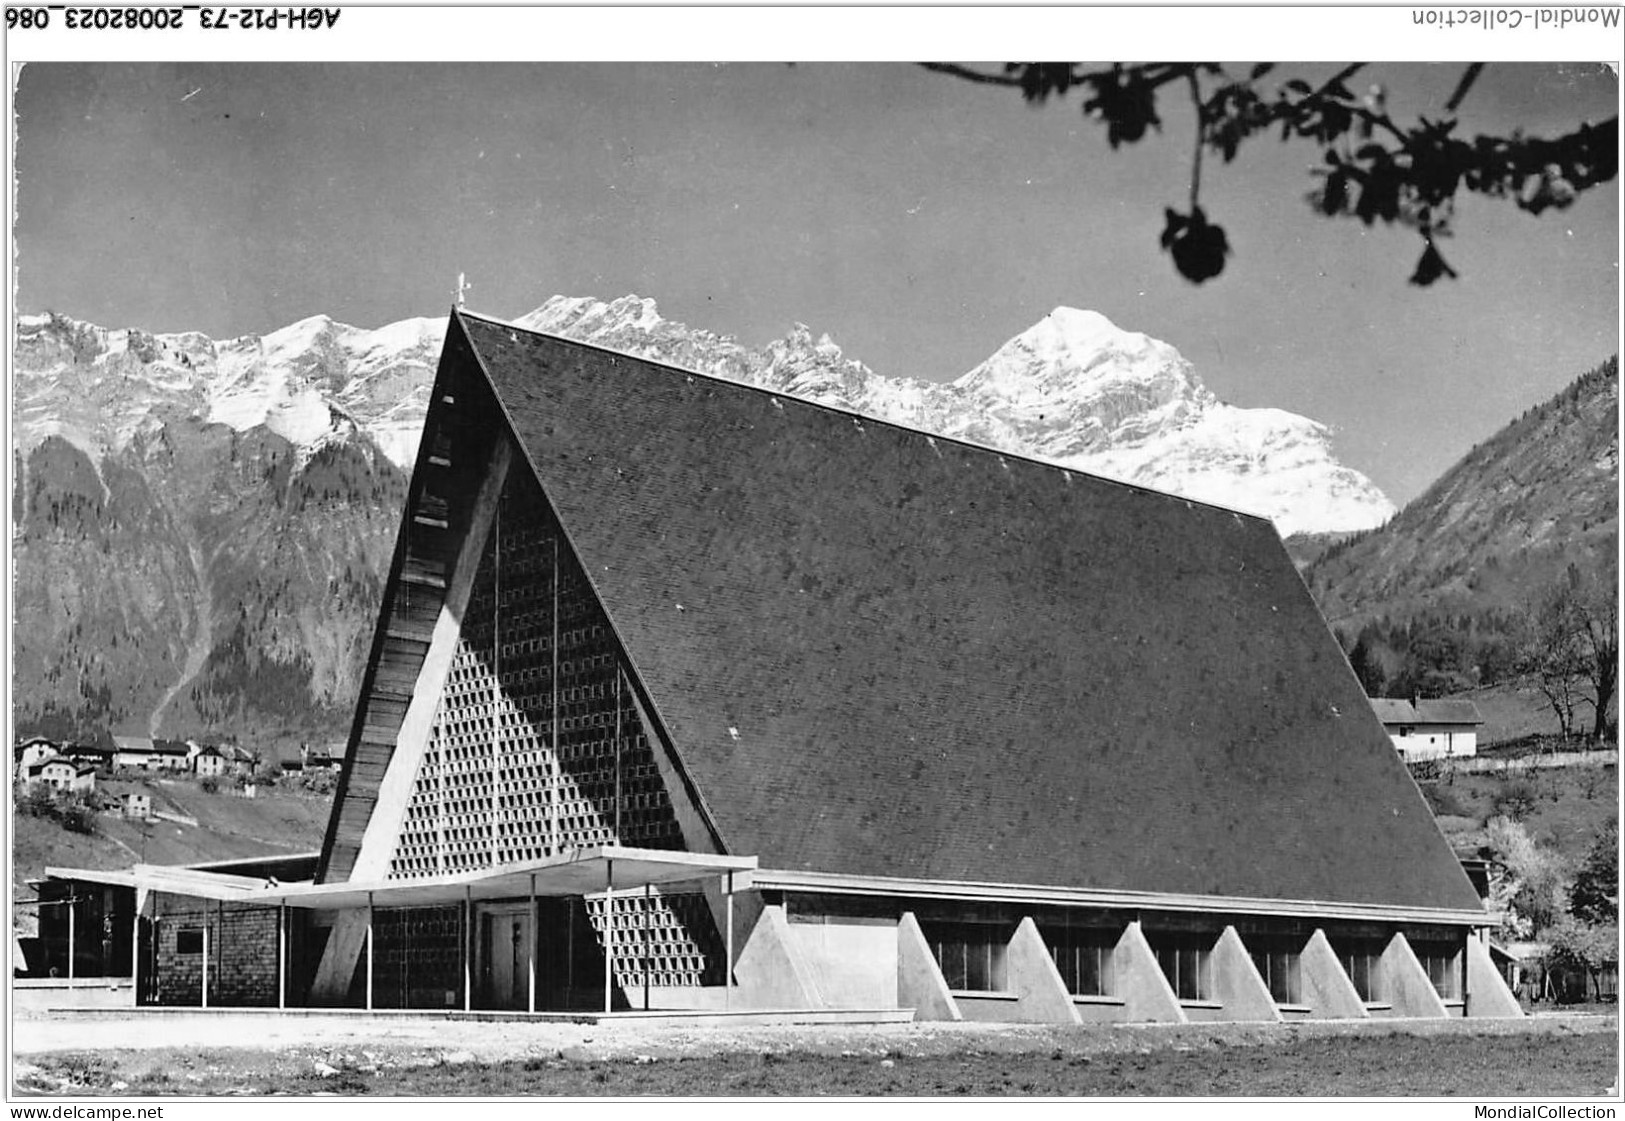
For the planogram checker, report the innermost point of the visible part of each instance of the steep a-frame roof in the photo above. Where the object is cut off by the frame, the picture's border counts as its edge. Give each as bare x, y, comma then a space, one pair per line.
878, 652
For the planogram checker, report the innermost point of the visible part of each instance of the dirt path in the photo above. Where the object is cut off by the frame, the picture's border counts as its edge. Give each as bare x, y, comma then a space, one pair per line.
241, 1054
518, 1038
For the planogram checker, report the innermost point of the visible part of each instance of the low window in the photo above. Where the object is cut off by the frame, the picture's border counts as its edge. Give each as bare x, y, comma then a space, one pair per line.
1443, 966
1363, 962
189, 940
1184, 961
1083, 957
971, 955
1278, 966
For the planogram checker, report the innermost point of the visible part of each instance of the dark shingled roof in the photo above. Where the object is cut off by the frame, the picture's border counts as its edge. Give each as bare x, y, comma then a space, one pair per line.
1393, 710
883, 653
1447, 712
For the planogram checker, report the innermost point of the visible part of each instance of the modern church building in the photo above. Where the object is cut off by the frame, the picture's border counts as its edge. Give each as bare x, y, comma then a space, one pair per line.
688, 696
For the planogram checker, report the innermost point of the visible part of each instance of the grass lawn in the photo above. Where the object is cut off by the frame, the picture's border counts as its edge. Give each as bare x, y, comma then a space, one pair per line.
279, 820
1564, 807
1512, 710
1550, 1064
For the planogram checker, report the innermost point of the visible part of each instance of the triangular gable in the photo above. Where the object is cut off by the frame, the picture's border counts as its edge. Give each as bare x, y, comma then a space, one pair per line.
451, 765
879, 652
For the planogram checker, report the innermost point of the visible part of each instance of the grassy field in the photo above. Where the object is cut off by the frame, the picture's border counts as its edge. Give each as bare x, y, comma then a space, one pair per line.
1561, 807
1511, 711
1071, 1062
279, 820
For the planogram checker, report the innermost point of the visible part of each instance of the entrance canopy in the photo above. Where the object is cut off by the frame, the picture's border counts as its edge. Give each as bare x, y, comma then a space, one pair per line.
583, 871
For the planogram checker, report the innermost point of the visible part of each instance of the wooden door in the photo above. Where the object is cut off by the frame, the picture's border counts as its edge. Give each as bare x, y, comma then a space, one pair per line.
505, 947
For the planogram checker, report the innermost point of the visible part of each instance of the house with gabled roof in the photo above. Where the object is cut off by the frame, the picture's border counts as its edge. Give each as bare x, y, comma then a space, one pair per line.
97, 755
686, 695
207, 760
151, 754
134, 751
1427, 728
63, 774
28, 754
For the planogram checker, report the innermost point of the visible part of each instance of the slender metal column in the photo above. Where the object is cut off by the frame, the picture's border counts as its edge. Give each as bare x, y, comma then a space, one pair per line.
643, 933
468, 948
72, 907
728, 965
282, 955
609, 930
369, 951
220, 940
205, 994
135, 958
287, 968
531, 980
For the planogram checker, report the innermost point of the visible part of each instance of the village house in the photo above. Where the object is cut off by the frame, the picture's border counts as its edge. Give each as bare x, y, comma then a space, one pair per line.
207, 761
320, 758
64, 775
1430, 729
150, 754
238, 760
134, 751
172, 755
687, 696
29, 754
94, 755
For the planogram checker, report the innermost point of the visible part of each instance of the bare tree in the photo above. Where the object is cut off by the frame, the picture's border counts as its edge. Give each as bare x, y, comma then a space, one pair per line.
1597, 615
1571, 649
1551, 656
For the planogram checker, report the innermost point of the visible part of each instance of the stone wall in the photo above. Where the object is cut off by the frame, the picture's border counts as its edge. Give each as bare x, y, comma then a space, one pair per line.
242, 952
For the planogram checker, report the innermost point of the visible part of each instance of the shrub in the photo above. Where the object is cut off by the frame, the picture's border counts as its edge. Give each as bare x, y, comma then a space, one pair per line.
77, 817
1426, 770
318, 782
38, 800
1581, 948
74, 812
209, 784
1443, 801
1595, 897
1528, 883
1515, 800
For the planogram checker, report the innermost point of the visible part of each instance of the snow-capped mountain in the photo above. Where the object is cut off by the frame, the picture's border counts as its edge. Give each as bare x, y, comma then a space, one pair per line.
1073, 388
201, 527
312, 382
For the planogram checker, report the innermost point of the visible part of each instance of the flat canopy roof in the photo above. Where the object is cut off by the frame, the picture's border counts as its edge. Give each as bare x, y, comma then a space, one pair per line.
88, 876
583, 871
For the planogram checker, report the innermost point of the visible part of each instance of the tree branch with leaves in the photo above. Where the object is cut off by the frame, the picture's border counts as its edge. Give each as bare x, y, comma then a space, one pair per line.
1373, 168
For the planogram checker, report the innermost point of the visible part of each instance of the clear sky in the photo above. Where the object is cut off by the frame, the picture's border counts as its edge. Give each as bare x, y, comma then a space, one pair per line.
919, 220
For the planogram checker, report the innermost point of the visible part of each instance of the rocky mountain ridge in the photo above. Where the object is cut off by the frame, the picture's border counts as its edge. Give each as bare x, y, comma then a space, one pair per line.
1497, 528
1074, 389
201, 527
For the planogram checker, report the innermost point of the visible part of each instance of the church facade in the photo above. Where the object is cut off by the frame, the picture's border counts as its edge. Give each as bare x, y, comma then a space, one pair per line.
687, 696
